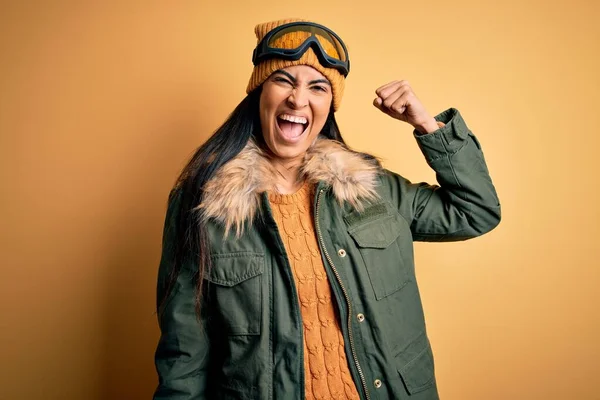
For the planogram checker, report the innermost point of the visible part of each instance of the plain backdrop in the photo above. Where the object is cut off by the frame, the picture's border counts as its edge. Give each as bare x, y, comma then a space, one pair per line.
101, 104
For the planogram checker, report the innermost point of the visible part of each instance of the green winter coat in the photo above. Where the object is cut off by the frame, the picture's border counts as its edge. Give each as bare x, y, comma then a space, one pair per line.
249, 341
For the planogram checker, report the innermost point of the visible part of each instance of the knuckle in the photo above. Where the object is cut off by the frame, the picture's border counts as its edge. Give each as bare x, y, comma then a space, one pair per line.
383, 89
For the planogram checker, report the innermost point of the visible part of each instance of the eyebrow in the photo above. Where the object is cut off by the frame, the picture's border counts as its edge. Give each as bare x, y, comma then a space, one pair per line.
294, 80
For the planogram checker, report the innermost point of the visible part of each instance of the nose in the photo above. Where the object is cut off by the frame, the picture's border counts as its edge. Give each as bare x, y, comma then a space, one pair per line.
298, 98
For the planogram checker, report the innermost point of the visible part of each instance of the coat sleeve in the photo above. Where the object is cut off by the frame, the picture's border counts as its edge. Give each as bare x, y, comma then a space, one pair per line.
464, 204
182, 353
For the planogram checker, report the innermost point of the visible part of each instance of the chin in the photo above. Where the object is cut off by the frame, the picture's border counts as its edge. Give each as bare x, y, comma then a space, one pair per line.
289, 152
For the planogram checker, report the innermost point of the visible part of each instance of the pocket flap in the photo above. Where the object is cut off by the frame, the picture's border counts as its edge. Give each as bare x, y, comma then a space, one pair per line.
418, 374
379, 233
233, 268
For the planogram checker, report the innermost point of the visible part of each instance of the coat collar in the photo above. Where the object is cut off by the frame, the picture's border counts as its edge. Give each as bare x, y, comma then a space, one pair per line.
233, 196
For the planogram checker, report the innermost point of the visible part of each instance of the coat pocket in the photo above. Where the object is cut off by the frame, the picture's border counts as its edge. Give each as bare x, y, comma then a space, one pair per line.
237, 291
416, 366
377, 243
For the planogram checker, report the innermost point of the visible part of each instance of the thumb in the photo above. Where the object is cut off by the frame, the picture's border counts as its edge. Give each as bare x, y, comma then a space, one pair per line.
378, 103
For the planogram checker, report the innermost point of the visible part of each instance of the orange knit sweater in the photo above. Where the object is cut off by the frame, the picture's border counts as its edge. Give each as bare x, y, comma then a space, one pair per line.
327, 375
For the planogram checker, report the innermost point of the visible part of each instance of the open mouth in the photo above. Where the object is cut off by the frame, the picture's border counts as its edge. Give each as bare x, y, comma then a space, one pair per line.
292, 127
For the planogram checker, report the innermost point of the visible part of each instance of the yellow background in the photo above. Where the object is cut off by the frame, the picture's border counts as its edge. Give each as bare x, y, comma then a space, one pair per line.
101, 104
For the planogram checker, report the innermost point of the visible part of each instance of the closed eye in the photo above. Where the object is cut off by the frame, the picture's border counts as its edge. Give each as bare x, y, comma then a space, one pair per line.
282, 80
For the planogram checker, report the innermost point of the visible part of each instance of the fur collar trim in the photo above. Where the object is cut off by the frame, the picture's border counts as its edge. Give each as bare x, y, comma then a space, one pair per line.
233, 196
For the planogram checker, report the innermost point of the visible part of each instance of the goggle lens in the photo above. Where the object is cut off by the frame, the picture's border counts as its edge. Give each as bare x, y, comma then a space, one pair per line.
292, 37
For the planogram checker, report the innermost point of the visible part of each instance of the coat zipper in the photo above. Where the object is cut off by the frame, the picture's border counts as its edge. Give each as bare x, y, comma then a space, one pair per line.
337, 276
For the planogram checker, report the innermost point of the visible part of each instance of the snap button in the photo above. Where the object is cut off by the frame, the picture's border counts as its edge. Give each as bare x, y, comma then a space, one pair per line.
342, 253
361, 317
377, 383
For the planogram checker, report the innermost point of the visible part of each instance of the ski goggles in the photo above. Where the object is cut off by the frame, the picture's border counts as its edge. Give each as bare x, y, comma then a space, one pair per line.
290, 42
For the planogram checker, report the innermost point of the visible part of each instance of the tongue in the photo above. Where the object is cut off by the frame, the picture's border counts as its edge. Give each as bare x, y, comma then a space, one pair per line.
291, 129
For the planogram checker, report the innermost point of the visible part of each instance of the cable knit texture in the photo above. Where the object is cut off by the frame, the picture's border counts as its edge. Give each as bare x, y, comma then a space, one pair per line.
327, 375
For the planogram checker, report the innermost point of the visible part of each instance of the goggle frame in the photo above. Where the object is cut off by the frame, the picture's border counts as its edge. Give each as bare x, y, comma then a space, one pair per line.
264, 52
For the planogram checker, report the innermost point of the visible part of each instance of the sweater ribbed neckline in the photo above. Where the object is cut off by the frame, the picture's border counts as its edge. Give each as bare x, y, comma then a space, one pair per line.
291, 198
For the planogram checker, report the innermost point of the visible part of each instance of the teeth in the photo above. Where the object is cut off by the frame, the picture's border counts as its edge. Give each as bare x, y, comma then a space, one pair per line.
292, 118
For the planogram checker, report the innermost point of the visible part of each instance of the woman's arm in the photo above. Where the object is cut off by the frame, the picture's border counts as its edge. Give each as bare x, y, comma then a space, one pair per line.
465, 203
182, 353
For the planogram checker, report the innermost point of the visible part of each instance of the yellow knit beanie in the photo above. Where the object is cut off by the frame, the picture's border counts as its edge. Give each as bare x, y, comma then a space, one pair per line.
264, 69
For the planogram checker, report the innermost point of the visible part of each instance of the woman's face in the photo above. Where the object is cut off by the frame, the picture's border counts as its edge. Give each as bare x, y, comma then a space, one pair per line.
294, 105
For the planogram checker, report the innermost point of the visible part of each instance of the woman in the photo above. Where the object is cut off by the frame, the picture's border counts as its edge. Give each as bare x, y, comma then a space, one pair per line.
287, 268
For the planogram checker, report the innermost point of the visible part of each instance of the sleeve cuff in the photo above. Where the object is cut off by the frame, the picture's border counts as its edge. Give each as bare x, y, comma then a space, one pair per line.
449, 138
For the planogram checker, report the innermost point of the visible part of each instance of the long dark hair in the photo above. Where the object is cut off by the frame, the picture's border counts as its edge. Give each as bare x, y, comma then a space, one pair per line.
190, 238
